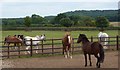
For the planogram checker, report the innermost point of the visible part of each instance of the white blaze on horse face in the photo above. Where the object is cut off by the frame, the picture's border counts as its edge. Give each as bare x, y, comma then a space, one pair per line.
42, 37
69, 39
99, 35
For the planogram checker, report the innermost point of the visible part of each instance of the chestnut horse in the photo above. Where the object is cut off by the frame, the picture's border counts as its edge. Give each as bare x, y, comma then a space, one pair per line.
16, 40
91, 48
67, 41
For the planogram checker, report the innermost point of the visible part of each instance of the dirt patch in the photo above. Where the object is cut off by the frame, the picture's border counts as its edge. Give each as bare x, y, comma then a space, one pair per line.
111, 61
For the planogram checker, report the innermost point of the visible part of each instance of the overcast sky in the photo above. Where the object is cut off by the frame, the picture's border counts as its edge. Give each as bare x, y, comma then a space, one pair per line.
22, 8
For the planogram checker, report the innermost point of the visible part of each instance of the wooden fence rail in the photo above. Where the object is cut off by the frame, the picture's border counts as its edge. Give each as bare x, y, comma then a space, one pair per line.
52, 47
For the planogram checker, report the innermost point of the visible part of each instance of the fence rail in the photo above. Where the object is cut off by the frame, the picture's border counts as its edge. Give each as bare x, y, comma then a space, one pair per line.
53, 47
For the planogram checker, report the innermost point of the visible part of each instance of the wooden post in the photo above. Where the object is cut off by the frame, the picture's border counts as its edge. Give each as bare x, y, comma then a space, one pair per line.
42, 47
91, 38
117, 42
18, 51
52, 46
73, 46
8, 51
31, 51
62, 48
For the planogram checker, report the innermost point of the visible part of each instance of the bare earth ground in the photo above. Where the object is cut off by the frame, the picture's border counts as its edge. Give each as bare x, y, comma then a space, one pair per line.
111, 61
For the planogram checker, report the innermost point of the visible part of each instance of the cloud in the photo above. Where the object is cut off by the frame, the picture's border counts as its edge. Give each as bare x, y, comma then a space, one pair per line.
60, 0
22, 9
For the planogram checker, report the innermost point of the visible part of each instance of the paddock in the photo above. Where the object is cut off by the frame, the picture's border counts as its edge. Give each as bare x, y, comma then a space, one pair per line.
53, 47
111, 61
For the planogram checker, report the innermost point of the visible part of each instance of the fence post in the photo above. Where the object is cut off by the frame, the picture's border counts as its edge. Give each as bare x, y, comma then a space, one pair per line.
52, 46
8, 51
62, 48
91, 38
31, 51
18, 51
42, 47
73, 47
117, 42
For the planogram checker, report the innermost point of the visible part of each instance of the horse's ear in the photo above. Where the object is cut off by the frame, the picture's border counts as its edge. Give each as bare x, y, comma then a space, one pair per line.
81, 34
84, 35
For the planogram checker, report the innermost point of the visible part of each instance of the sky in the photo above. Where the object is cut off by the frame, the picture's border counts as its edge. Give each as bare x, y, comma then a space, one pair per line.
22, 8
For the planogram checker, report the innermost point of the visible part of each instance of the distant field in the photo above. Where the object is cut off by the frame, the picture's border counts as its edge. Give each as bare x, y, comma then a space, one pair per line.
115, 24
56, 34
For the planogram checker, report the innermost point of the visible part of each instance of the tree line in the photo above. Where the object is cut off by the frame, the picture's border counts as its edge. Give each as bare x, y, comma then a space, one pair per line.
93, 18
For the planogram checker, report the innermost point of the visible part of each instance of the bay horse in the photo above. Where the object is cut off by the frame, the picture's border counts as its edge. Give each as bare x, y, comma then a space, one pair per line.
67, 41
91, 48
16, 40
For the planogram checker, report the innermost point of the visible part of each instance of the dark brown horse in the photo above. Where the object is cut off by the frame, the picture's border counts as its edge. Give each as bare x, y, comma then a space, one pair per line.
16, 40
67, 41
91, 48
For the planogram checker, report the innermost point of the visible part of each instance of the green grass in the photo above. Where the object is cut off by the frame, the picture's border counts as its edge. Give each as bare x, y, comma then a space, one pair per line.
56, 34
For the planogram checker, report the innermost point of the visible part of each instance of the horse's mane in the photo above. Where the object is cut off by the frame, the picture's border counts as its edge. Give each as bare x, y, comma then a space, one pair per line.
86, 38
65, 38
67, 34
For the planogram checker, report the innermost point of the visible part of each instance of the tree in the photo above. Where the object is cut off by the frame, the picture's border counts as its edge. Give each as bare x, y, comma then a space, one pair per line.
88, 21
58, 18
27, 22
36, 19
102, 22
66, 22
76, 19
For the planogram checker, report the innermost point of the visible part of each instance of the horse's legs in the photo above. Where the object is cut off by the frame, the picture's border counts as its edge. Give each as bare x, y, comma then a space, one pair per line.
65, 50
90, 59
98, 61
27, 49
85, 59
16, 45
36, 48
70, 52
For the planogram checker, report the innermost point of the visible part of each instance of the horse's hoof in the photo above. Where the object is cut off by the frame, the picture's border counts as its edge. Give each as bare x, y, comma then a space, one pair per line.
28, 52
85, 65
71, 57
90, 64
25, 53
98, 66
37, 52
66, 56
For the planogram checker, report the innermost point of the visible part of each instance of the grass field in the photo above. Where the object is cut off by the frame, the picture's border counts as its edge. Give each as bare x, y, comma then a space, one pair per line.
56, 34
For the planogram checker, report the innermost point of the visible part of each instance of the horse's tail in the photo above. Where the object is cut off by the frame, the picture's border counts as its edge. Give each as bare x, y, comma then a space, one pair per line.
102, 56
5, 41
24, 41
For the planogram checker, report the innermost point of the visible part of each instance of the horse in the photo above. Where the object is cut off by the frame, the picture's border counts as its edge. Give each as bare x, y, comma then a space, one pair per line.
67, 41
16, 40
103, 38
91, 48
35, 41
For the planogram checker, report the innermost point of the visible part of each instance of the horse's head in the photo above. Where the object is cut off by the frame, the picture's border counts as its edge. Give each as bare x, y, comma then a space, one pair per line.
21, 37
43, 37
81, 37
